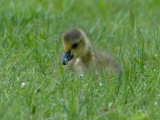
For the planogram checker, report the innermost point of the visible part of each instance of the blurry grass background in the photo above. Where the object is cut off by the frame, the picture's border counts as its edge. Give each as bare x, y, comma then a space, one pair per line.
31, 87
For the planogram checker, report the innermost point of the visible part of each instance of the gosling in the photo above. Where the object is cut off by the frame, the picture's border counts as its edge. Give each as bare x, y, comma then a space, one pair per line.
80, 56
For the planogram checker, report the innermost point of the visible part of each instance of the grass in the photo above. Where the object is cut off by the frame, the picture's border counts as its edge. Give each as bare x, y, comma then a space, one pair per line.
34, 84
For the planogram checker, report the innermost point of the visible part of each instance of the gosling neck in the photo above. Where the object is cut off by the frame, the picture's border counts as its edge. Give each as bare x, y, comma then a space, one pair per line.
87, 54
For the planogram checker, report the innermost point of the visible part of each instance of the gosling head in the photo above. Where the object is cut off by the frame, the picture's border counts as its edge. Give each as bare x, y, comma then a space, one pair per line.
73, 41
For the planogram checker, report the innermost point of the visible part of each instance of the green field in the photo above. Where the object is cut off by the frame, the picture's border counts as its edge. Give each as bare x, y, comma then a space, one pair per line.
35, 86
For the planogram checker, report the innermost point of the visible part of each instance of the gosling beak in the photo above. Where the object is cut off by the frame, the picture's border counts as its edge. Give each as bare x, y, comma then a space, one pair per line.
67, 57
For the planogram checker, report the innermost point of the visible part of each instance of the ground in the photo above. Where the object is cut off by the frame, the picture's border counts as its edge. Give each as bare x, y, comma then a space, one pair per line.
35, 85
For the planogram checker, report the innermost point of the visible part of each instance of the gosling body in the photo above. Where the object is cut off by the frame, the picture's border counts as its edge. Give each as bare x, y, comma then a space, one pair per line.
80, 56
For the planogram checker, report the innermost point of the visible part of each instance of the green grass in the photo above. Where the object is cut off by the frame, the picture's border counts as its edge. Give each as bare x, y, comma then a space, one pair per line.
31, 50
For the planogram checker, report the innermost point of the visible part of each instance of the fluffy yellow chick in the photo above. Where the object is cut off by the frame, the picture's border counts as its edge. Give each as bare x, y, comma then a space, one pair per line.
80, 56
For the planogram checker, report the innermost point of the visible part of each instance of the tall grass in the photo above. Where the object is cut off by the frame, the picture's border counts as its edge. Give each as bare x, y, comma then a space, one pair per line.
35, 85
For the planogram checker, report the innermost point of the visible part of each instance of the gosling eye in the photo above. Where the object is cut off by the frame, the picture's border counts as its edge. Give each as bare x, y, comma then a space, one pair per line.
74, 45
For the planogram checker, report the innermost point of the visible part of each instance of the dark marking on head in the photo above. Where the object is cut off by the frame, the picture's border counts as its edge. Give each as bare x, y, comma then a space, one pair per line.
75, 45
72, 34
